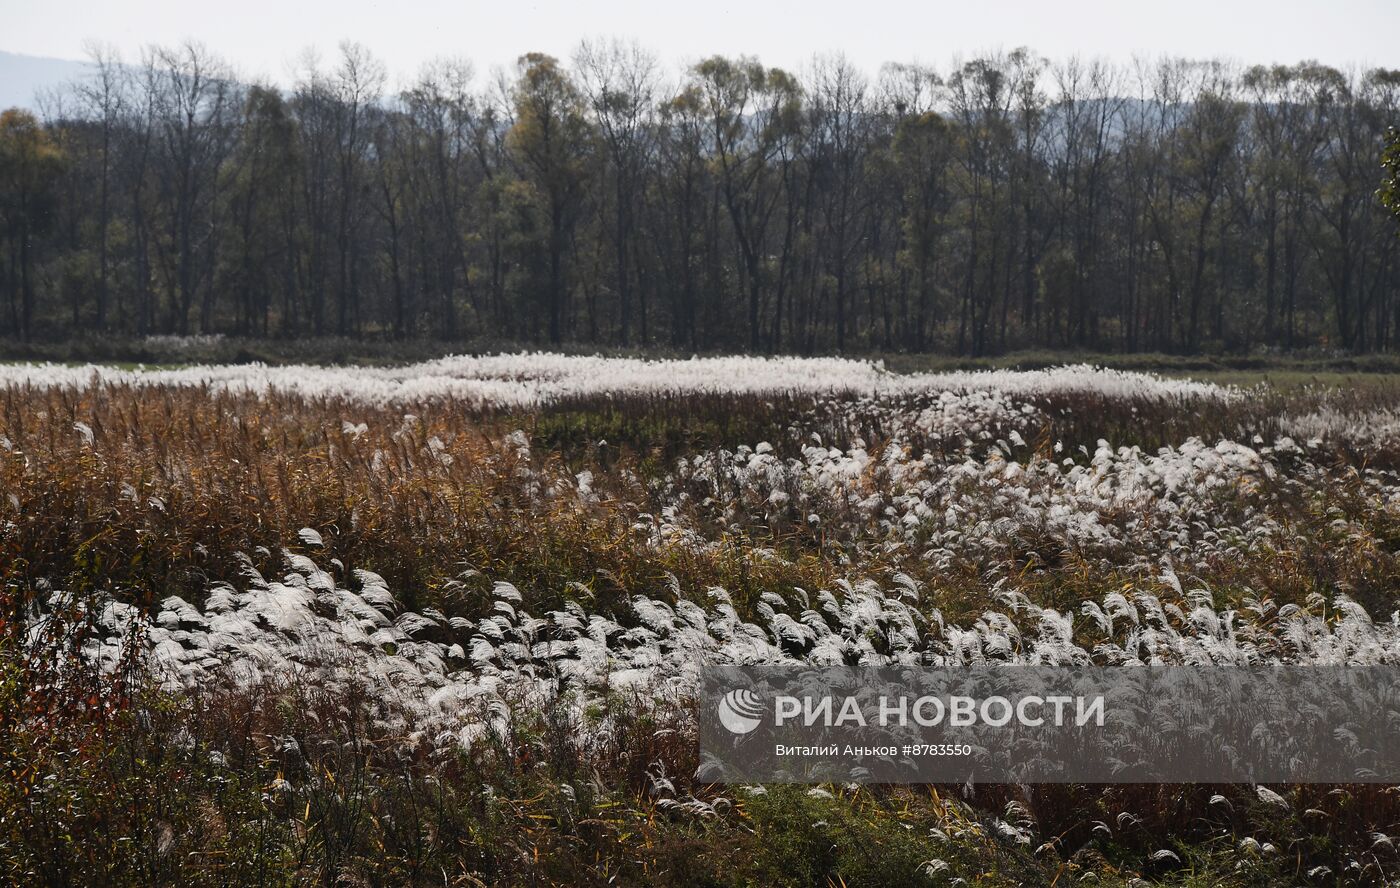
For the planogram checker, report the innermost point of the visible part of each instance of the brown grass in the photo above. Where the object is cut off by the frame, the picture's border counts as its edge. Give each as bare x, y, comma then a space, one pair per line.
113, 782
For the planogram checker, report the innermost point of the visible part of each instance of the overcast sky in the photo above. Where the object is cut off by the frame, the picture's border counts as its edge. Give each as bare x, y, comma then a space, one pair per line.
263, 37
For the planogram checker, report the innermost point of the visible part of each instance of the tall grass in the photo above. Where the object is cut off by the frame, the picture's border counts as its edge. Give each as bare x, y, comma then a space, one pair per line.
138, 492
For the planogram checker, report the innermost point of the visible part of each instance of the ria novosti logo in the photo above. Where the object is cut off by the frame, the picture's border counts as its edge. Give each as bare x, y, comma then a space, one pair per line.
740, 711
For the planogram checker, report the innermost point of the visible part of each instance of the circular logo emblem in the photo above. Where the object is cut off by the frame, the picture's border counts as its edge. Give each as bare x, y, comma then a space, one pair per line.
740, 711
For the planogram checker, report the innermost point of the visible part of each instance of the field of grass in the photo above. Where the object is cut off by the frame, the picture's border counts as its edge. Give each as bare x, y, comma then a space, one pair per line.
331, 350
439, 624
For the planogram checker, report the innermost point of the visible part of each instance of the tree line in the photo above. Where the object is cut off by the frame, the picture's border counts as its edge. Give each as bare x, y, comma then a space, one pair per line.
1001, 202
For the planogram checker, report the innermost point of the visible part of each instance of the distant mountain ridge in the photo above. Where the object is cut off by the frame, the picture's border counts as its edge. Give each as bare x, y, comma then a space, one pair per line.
22, 77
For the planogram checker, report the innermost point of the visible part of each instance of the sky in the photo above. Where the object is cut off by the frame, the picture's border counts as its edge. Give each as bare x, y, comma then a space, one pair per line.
263, 38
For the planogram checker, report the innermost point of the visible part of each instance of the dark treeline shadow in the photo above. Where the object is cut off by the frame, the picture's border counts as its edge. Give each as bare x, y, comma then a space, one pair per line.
1006, 202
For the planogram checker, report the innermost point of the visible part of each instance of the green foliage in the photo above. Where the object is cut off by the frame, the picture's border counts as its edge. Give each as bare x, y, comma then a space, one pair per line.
552, 138
30, 165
